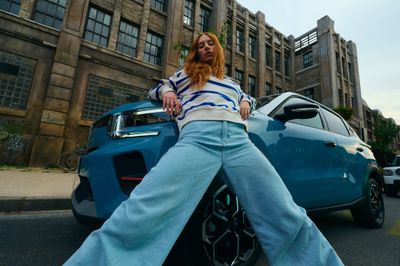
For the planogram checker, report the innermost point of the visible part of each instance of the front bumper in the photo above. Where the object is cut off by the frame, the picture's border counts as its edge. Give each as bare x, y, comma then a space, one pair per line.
392, 180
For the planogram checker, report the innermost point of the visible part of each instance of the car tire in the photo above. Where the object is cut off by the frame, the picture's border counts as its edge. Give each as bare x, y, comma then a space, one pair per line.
391, 190
218, 233
372, 213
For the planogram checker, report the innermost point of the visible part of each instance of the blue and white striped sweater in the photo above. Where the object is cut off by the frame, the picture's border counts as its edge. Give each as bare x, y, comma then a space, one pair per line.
217, 100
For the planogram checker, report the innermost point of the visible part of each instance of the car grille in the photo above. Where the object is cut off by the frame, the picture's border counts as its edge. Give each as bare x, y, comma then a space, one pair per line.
130, 169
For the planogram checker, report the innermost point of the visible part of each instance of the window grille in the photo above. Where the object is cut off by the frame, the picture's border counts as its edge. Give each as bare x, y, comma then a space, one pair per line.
50, 12
127, 38
153, 49
104, 94
188, 13
98, 27
16, 74
12, 6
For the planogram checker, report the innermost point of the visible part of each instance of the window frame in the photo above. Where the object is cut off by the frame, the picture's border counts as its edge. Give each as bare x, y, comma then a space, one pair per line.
45, 17
308, 59
188, 13
154, 59
205, 21
124, 33
95, 23
160, 5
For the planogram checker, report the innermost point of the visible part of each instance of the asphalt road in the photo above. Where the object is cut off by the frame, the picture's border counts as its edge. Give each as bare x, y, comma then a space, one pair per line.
49, 238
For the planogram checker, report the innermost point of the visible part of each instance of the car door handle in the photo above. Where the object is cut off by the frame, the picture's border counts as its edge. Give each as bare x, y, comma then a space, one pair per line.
330, 144
360, 149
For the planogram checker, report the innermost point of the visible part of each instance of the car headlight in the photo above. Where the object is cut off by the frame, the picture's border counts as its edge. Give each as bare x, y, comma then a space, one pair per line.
124, 125
397, 171
388, 172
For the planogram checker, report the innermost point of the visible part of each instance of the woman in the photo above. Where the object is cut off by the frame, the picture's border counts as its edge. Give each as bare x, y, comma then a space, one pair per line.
210, 111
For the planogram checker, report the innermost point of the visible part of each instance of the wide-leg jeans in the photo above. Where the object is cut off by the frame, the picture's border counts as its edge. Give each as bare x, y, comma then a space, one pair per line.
144, 228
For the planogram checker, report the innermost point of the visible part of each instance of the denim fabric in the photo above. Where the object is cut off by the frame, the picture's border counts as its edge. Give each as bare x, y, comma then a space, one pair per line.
143, 229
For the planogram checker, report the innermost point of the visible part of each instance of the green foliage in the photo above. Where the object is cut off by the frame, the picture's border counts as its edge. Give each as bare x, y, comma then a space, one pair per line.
344, 111
385, 130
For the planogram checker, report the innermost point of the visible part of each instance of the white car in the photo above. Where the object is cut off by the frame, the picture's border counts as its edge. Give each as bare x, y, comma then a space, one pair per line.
392, 177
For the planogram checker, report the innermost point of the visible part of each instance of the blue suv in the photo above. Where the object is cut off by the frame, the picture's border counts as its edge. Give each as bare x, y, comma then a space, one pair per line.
322, 161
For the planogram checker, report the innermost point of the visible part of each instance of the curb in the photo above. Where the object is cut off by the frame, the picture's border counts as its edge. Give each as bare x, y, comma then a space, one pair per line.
32, 204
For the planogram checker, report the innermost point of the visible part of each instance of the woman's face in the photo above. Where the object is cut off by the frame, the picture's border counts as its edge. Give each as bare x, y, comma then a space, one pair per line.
205, 49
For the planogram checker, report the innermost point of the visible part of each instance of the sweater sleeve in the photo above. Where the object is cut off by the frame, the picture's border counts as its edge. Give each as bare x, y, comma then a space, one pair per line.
163, 86
248, 98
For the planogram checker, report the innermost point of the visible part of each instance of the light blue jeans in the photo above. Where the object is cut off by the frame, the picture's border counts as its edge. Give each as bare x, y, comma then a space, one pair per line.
143, 229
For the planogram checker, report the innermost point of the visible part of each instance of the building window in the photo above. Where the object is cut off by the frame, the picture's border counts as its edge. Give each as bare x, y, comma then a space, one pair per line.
182, 55
188, 13
98, 27
50, 13
104, 94
159, 4
278, 90
307, 59
229, 33
127, 38
16, 74
252, 86
268, 55
239, 40
268, 88
252, 46
11, 6
239, 77
309, 93
278, 61
205, 17
287, 64
228, 70
153, 49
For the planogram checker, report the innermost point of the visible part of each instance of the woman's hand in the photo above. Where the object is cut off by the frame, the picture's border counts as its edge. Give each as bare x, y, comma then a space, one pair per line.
171, 103
244, 109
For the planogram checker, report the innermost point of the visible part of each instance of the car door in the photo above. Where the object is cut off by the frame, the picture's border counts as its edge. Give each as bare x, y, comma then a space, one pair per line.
349, 155
303, 153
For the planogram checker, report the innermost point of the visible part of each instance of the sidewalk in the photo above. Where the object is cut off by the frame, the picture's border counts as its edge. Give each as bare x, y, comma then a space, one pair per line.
34, 189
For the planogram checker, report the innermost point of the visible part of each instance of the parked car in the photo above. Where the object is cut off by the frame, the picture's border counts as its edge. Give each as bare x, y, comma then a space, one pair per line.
391, 175
322, 161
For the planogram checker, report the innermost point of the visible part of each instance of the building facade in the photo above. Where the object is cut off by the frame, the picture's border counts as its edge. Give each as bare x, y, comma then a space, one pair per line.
64, 63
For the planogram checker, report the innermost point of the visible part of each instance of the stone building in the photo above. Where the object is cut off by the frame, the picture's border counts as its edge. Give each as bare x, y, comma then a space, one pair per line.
63, 63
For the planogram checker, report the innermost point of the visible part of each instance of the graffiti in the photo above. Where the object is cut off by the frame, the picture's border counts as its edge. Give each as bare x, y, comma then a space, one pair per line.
15, 144
3, 134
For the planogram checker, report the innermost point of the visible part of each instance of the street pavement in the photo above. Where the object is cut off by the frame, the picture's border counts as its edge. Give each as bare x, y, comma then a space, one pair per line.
35, 189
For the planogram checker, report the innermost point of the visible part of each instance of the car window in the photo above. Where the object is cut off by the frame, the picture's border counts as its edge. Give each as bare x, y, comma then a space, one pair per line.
335, 123
315, 122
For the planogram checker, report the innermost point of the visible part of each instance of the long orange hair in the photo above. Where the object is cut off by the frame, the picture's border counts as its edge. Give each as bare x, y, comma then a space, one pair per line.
199, 72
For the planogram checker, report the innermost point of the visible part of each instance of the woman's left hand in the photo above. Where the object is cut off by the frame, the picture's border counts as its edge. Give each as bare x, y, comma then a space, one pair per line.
244, 109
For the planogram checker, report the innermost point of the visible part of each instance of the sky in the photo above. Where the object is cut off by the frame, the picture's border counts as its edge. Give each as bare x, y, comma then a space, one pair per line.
373, 25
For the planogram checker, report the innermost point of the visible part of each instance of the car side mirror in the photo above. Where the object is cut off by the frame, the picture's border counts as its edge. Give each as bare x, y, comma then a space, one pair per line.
298, 111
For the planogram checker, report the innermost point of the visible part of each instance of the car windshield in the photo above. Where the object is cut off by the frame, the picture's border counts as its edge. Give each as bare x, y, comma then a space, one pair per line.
261, 101
396, 161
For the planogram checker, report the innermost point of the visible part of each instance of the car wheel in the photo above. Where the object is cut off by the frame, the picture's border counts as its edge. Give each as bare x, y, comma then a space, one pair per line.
372, 212
218, 233
391, 190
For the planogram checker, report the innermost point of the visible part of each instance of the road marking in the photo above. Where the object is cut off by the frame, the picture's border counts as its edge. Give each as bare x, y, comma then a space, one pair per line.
395, 230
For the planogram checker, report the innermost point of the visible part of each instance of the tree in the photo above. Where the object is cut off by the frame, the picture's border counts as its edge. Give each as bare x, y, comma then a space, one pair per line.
344, 111
385, 130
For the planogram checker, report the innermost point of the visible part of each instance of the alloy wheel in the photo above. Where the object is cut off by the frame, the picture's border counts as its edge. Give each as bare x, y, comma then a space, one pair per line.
228, 238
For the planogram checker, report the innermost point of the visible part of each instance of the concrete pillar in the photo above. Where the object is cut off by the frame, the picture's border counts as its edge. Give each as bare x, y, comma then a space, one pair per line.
357, 109
116, 18
143, 30
26, 8
233, 48
292, 64
173, 36
329, 90
50, 138
261, 54
218, 15
246, 54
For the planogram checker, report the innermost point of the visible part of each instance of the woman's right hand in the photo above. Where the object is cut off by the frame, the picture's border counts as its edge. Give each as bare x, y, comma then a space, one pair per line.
171, 103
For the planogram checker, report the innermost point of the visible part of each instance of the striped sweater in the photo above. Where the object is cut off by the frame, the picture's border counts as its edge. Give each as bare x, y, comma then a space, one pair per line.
217, 100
